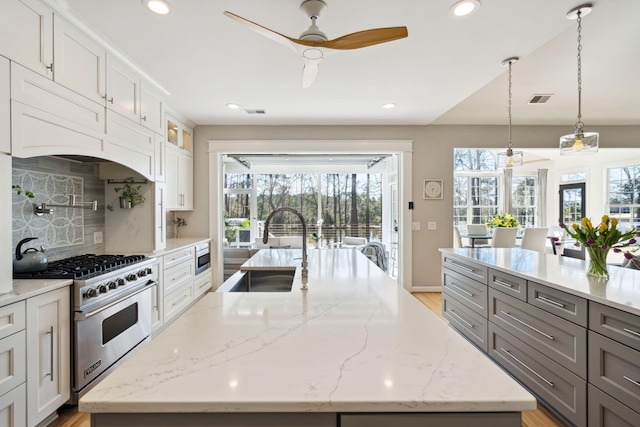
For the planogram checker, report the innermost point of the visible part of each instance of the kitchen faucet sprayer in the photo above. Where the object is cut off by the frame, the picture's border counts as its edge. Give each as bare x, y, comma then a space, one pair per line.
265, 239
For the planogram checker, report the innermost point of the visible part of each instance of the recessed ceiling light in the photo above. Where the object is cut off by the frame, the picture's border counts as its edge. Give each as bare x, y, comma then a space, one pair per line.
464, 7
161, 7
389, 105
233, 106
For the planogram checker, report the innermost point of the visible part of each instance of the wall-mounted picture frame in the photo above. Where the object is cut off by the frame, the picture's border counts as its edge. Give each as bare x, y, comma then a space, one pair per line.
432, 189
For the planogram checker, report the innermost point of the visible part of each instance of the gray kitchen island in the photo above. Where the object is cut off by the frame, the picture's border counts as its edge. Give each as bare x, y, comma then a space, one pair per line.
354, 349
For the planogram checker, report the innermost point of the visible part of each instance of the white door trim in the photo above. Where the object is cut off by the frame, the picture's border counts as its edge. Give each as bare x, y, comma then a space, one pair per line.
403, 148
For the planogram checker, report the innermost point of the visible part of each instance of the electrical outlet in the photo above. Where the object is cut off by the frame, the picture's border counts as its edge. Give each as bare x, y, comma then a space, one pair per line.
97, 237
415, 226
431, 225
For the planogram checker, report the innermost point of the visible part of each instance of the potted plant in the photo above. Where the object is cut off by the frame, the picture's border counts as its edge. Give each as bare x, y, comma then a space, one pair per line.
316, 238
130, 196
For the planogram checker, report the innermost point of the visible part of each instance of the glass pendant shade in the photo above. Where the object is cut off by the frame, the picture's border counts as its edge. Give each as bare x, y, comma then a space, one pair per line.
510, 158
579, 143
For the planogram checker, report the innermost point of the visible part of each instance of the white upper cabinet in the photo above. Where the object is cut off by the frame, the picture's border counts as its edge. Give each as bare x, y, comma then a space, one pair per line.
79, 61
123, 89
26, 34
5, 116
151, 109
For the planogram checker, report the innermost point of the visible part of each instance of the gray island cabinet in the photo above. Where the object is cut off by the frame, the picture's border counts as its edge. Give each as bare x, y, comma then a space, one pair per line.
353, 350
572, 340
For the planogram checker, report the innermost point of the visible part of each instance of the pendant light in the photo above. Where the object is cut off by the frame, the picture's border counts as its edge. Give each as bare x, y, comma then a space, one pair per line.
510, 158
579, 141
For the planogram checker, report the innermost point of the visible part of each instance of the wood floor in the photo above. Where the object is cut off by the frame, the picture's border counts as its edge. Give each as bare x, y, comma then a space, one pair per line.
541, 417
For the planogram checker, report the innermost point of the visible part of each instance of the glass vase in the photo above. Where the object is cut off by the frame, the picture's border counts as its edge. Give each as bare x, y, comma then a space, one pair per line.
598, 262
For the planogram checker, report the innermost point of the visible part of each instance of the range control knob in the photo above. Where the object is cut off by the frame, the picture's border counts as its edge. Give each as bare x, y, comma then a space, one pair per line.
112, 285
120, 282
149, 270
91, 293
142, 273
131, 277
103, 289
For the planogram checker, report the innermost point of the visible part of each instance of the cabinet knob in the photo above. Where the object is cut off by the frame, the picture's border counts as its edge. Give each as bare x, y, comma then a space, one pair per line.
50, 67
111, 100
144, 118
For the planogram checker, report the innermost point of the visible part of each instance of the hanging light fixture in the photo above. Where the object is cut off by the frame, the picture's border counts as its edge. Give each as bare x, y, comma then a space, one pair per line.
510, 158
579, 141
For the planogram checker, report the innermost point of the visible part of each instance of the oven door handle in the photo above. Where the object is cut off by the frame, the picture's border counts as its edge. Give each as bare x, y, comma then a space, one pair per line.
82, 316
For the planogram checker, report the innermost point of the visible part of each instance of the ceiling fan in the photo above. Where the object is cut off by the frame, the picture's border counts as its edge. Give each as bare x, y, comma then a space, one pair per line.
313, 45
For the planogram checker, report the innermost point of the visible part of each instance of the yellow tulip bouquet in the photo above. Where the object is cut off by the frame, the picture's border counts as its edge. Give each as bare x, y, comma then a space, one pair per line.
503, 220
599, 240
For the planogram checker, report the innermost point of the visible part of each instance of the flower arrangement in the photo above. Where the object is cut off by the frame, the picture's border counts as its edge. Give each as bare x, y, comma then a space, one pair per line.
503, 220
599, 240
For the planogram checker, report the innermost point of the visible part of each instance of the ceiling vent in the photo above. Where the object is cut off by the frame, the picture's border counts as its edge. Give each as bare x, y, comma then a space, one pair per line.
255, 111
540, 99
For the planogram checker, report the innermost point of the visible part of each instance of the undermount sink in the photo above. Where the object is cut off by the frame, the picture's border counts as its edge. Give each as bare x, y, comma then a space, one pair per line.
259, 281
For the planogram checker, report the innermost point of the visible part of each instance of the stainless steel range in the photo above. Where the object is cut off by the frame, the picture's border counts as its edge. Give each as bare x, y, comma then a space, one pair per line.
112, 300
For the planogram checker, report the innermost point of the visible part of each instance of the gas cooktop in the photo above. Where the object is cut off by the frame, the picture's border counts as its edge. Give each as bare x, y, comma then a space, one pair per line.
82, 267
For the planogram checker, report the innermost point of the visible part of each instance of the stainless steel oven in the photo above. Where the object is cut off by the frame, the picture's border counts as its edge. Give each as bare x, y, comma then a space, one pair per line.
112, 317
203, 257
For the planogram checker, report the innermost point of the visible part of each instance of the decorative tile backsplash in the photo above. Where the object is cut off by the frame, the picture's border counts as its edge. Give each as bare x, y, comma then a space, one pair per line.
65, 226
66, 232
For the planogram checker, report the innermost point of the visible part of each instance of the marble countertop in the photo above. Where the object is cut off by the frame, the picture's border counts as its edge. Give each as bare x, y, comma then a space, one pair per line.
27, 288
621, 290
355, 341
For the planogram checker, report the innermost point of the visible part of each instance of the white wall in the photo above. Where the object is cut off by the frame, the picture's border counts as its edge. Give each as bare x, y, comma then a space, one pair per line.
432, 158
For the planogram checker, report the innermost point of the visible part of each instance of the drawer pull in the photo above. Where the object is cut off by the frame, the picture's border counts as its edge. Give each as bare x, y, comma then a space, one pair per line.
527, 325
632, 332
461, 319
527, 367
501, 283
464, 267
631, 381
469, 294
550, 301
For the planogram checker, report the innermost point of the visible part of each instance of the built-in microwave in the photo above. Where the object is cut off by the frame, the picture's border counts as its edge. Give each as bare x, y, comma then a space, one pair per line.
203, 257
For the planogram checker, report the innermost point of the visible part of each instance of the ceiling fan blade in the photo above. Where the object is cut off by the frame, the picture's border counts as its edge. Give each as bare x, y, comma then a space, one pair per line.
309, 72
366, 38
273, 35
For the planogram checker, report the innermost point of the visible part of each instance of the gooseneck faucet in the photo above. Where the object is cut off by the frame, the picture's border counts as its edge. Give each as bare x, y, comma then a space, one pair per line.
265, 239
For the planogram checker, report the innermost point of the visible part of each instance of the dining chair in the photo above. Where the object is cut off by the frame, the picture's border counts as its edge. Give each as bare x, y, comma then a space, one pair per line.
504, 237
457, 239
535, 238
480, 230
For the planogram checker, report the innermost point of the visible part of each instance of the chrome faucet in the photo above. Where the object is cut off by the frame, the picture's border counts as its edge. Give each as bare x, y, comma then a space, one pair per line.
265, 239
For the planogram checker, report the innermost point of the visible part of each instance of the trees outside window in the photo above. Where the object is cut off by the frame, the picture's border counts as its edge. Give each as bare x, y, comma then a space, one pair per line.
476, 186
524, 200
347, 204
624, 193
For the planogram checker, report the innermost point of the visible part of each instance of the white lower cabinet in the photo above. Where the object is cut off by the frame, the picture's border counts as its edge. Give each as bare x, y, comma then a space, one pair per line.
177, 281
202, 283
48, 355
13, 408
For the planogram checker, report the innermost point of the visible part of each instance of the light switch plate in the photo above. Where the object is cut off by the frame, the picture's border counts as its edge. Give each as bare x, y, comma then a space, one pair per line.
97, 237
431, 225
415, 226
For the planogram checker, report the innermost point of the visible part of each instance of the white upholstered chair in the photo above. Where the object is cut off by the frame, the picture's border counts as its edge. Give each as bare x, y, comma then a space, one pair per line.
354, 242
478, 230
535, 238
504, 237
457, 239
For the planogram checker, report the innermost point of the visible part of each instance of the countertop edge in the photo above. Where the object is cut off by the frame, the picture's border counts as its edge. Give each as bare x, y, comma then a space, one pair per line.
28, 288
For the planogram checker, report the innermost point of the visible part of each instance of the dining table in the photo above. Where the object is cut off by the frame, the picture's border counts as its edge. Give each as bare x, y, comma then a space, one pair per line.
488, 236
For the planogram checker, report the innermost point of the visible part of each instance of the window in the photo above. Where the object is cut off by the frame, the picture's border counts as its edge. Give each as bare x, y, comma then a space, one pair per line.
524, 200
348, 204
573, 177
624, 193
476, 186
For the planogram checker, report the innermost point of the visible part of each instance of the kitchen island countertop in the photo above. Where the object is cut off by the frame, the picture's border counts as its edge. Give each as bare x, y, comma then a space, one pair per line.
353, 342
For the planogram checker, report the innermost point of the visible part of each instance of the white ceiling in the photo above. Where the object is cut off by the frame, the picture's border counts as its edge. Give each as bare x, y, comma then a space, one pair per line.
448, 71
